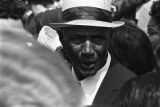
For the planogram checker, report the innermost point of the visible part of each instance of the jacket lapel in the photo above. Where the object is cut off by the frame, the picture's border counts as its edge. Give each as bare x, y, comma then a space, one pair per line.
116, 76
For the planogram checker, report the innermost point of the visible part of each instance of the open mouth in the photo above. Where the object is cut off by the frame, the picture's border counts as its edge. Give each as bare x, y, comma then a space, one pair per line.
87, 65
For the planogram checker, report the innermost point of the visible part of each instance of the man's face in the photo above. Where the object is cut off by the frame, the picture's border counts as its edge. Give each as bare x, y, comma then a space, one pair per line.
154, 31
154, 35
86, 48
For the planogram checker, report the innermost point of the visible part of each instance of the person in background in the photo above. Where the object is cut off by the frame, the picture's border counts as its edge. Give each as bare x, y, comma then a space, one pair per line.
154, 29
126, 9
85, 33
11, 12
154, 23
33, 76
39, 17
132, 48
157, 56
142, 15
142, 91
41, 31
58, 3
38, 6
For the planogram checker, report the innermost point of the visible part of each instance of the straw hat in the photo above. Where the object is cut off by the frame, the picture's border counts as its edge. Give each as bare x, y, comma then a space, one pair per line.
73, 14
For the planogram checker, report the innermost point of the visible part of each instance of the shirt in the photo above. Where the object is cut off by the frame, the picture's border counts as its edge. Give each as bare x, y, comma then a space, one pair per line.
90, 85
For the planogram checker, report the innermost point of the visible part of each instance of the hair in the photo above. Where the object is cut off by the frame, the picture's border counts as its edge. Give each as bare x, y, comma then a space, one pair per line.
155, 10
43, 2
12, 8
31, 74
142, 91
132, 48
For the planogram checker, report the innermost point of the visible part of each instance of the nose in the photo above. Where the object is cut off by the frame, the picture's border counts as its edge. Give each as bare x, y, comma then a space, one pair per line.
88, 49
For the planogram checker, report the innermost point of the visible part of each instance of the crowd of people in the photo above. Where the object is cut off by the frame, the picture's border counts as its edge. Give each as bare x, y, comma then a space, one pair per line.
79, 53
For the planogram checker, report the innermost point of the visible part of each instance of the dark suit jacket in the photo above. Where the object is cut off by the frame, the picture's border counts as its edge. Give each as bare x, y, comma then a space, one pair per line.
116, 76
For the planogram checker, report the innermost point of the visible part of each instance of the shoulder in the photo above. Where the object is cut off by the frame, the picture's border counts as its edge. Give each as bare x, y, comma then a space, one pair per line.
121, 72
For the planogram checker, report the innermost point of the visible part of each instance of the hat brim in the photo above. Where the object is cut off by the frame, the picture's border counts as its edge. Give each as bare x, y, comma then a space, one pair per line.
92, 23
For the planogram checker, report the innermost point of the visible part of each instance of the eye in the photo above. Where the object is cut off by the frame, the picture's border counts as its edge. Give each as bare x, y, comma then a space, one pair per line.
98, 39
77, 39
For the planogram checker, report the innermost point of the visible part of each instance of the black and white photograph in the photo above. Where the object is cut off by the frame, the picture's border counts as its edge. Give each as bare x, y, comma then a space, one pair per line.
79, 53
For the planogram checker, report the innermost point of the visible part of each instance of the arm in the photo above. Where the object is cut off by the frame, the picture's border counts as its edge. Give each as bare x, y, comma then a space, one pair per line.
34, 23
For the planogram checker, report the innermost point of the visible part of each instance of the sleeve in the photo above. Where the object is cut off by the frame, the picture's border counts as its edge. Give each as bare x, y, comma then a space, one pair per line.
34, 23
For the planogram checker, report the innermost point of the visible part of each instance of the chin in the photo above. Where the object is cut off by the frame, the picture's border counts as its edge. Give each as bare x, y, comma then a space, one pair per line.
83, 73
88, 73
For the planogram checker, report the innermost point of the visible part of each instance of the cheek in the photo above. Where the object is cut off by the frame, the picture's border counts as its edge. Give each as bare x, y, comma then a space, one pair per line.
103, 47
107, 43
154, 37
154, 40
73, 50
100, 53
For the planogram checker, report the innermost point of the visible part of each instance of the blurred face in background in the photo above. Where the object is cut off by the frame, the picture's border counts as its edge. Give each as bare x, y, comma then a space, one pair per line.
154, 35
154, 31
86, 48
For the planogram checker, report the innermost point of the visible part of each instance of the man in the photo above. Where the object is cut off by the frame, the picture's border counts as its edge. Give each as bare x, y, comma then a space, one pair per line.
85, 34
154, 29
127, 9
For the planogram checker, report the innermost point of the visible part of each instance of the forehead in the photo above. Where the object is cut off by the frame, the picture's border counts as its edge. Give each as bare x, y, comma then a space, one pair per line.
83, 30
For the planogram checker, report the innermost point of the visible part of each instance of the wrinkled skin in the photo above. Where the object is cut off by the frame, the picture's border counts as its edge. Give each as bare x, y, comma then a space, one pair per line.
86, 48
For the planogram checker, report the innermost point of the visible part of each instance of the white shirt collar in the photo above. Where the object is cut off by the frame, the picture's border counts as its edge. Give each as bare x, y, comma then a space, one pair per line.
91, 85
